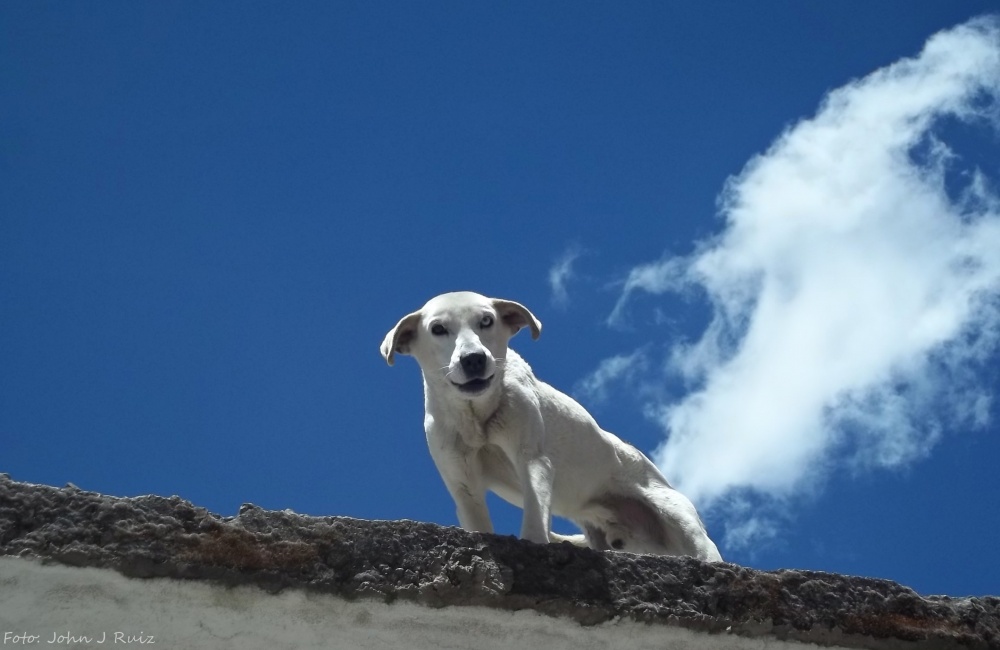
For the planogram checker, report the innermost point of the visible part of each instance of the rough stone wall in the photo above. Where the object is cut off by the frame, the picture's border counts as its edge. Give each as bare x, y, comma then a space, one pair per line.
436, 566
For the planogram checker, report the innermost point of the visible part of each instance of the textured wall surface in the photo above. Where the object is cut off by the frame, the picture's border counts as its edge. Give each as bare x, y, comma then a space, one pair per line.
411, 576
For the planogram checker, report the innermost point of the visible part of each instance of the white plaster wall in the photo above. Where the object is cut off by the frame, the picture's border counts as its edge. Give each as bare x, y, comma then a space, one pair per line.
41, 603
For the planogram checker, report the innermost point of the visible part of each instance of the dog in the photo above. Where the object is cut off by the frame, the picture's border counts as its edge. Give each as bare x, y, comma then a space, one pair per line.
492, 425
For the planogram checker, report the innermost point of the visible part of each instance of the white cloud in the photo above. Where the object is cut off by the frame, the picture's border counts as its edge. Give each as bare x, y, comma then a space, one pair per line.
656, 277
562, 272
854, 289
616, 369
750, 532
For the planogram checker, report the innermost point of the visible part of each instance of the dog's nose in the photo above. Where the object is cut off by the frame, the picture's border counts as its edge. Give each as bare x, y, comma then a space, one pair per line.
474, 364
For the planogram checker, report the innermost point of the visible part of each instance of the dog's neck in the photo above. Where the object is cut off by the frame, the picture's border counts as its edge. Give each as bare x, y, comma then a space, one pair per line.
470, 419
483, 410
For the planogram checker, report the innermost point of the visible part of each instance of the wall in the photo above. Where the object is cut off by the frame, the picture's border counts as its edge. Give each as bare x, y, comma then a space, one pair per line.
164, 572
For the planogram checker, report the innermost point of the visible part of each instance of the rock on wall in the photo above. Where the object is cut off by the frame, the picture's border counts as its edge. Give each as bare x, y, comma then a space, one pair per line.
433, 567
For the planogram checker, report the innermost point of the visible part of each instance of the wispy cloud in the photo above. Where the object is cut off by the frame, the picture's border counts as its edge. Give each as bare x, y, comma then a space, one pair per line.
750, 532
562, 272
855, 289
613, 370
656, 277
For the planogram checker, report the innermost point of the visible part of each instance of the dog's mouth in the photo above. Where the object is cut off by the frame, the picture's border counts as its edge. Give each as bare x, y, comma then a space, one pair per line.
474, 386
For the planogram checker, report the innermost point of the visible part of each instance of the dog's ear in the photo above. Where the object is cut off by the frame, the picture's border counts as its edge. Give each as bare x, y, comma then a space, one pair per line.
515, 315
400, 337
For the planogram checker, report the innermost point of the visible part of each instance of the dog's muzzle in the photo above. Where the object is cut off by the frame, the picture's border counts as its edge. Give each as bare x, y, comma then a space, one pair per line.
474, 365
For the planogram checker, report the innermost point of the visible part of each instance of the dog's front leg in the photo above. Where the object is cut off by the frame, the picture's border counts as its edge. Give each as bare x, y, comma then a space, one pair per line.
470, 505
536, 481
524, 446
462, 476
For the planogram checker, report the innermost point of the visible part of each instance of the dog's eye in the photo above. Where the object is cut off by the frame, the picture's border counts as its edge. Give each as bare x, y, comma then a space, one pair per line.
437, 329
487, 321
618, 544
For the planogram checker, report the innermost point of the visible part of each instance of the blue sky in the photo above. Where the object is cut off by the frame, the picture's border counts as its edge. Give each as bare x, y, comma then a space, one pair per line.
210, 215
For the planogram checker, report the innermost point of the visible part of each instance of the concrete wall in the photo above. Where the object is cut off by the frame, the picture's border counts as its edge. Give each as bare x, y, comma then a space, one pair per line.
80, 569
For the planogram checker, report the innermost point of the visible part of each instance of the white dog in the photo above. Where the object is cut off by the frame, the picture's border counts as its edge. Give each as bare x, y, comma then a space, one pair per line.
491, 425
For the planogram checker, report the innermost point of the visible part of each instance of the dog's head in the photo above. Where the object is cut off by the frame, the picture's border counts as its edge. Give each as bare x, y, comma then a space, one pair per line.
459, 338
